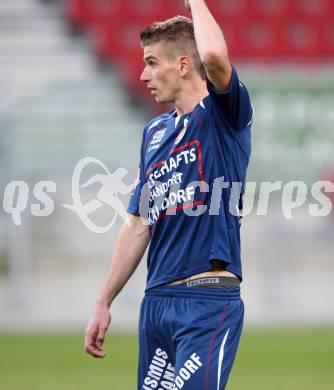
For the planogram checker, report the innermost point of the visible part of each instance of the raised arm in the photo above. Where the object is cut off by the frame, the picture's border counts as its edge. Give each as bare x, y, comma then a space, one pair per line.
131, 244
211, 44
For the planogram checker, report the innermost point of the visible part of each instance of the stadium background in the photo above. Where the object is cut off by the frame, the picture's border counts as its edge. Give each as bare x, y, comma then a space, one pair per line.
69, 89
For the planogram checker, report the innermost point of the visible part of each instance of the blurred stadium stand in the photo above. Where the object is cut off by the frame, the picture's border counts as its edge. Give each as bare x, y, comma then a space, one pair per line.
256, 30
58, 105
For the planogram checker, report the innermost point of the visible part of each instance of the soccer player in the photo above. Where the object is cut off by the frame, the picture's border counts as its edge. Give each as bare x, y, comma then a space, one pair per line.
192, 172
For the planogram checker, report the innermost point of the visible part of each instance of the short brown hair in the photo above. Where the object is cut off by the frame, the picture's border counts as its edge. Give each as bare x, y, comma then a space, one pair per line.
178, 31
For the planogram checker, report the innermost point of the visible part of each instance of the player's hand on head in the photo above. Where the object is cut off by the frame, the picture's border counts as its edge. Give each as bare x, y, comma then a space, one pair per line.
96, 331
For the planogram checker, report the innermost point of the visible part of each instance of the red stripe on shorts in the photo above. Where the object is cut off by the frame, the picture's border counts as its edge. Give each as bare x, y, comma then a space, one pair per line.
223, 315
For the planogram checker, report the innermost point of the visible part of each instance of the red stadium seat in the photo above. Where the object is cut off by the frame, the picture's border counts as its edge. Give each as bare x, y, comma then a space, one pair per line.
313, 8
327, 37
230, 9
102, 11
117, 38
270, 9
258, 30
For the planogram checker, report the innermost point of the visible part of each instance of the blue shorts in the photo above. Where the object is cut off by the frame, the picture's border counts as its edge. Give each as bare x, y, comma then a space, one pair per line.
188, 337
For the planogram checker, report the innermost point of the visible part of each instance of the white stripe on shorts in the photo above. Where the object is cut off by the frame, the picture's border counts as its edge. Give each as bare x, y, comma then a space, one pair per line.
221, 357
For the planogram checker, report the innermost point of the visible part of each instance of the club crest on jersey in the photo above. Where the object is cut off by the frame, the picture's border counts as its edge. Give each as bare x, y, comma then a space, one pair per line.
156, 139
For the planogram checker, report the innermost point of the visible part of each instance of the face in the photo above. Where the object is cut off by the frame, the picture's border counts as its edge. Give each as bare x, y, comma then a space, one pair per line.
161, 73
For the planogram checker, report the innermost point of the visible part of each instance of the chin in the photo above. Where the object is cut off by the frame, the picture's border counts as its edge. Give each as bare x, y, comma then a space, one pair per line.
163, 101
159, 100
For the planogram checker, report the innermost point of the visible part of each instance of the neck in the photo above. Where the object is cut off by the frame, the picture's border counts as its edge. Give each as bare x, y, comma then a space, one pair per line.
191, 93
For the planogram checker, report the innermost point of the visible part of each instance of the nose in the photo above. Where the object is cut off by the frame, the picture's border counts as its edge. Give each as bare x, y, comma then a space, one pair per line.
145, 76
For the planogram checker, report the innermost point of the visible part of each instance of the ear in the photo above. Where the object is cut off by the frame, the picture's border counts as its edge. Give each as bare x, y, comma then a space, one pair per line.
185, 66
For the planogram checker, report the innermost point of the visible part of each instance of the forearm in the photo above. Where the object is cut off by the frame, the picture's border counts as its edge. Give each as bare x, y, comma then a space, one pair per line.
208, 34
130, 246
211, 45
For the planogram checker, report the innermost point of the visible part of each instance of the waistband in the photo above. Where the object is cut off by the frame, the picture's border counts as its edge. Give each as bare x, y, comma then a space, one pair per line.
180, 291
213, 282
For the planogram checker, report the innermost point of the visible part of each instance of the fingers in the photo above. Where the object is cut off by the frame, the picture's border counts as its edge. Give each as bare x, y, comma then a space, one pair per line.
95, 351
94, 343
96, 331
100, 337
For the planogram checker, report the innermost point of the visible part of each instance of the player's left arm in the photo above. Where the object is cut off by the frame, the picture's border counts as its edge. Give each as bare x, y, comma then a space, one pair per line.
211, 45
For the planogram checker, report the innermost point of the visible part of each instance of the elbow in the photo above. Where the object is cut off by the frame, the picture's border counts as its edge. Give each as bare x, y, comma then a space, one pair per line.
214, 58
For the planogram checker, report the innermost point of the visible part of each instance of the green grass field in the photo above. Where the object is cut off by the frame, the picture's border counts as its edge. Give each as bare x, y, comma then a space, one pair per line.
267, 360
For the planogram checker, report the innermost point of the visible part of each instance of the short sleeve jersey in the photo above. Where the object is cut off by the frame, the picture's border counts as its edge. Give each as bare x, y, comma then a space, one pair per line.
191, 180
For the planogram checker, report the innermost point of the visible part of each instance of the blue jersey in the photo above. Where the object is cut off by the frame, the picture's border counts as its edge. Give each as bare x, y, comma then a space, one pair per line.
187, 167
